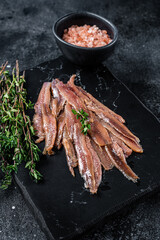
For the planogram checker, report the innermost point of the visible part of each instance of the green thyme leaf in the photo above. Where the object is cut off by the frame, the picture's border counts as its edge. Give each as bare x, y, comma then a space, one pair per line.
74, 111
83, 116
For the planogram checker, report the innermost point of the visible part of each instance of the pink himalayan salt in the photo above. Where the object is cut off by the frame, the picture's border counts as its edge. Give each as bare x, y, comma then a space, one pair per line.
86, 36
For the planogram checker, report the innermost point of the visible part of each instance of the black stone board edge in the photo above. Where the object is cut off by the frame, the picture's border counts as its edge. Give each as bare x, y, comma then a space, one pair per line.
120, 210
114, 212
36, 213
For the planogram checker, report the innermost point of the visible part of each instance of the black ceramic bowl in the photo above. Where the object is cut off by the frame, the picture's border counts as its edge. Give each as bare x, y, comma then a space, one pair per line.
84, 55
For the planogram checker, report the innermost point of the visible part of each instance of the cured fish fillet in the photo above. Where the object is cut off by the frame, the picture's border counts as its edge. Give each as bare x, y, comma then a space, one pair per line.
99, 134
118, 151
96, 163
121, 165
38, 127
134, 145
56, 94
43, 98
60, 128
127, 151
70, 120
103, 156
70, 152
50, 129
54, 106
84, 156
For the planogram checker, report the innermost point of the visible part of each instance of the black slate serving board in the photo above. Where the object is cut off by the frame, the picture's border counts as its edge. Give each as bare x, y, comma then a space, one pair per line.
60, 203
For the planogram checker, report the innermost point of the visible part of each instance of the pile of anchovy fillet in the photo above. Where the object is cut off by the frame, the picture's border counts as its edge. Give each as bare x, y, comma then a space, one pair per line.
92, 135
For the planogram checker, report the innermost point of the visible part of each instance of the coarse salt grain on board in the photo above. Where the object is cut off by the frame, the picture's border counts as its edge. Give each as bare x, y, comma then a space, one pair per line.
86, 36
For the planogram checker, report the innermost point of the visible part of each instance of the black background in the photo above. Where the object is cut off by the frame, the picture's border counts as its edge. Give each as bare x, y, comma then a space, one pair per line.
25, 34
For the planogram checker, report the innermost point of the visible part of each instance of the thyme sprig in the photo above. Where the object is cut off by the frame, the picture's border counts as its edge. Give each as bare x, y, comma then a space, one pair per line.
83, 116
16, 132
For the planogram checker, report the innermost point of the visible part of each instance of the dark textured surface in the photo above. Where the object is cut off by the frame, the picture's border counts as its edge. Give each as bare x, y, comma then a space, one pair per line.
25, 34
60, 202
